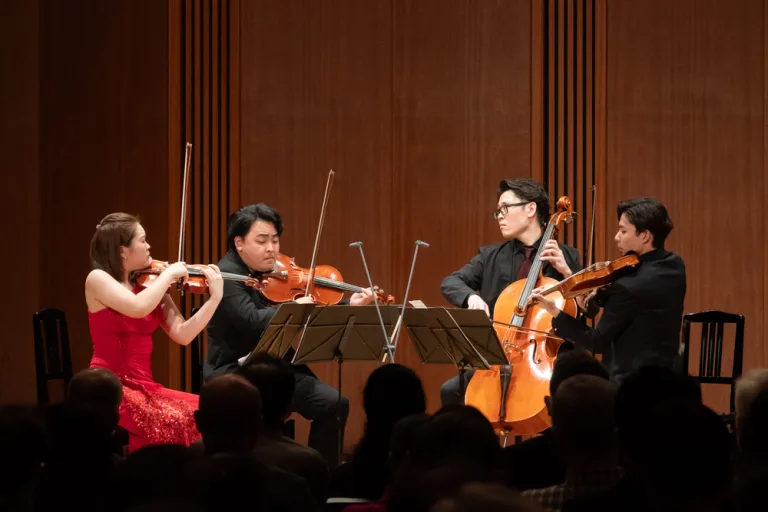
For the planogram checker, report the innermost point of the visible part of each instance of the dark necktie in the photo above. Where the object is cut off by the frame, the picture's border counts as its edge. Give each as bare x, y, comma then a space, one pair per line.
526, 266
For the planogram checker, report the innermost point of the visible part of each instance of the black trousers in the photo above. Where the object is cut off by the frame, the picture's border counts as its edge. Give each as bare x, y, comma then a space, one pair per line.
450, 391
318, 402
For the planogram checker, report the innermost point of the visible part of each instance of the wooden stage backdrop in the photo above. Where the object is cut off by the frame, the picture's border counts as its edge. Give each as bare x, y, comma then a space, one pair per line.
420, 107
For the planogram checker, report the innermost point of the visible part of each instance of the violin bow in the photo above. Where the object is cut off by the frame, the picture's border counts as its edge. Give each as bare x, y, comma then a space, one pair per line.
182, 224
591, 230
311, 281
591, 239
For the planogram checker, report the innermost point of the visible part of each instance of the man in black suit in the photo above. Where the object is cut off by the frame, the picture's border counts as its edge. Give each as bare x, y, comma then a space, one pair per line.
253, 243
643, 309
523, 214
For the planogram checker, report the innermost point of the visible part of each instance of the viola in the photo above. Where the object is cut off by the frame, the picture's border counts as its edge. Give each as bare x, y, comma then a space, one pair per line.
512, 396
288, 281
197, 282
596, 276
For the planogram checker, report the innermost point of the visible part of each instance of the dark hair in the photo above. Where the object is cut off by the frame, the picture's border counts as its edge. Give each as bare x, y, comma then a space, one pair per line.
754, 444
242, 220
114, 230
694, 463
529, 190
404, 434
95, 387
575, 362
274, 379
391, 392
640, 393
646, 213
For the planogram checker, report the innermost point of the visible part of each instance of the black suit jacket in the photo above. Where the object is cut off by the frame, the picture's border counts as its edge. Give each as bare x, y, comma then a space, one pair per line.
238, 323
642, 315
494, 268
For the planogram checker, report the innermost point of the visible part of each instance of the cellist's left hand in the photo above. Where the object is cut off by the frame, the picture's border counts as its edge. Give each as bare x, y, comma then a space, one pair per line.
544, 302
362, 298
554, 256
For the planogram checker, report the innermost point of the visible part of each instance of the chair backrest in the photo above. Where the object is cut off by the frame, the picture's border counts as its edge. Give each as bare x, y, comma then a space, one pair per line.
53, 360
196, 360
711, 350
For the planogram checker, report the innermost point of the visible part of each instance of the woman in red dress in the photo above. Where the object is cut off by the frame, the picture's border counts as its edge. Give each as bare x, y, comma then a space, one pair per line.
122, 318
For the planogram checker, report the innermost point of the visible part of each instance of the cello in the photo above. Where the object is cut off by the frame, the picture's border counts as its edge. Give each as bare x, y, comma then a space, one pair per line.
512, 396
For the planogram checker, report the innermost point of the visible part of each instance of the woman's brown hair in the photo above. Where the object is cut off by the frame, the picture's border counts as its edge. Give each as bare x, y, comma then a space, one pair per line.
114, 230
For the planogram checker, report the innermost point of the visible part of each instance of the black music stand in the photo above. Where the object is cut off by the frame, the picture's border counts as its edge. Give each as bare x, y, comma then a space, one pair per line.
344, 333
285, 325
464, 338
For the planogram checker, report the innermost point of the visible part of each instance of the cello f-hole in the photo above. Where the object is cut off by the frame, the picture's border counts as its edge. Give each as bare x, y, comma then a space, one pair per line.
535, 351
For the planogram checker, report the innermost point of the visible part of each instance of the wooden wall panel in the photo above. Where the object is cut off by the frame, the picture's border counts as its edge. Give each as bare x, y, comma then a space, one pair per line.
686, 123
103, 144
204, 112
765, 178
462, 123
20, 207
323, 101
572, 59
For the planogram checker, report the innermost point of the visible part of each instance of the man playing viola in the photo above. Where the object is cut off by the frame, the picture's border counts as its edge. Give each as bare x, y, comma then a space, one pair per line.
253, 243
522, 214
642, 309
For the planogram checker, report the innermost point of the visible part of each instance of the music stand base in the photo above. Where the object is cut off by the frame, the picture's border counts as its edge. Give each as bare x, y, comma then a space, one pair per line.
462, 383
339, 428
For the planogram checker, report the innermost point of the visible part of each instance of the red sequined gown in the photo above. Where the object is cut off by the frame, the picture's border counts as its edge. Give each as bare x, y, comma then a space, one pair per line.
151, 413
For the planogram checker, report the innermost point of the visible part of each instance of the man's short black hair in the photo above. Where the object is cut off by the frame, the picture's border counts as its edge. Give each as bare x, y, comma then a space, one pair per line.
242, 220
529, 190
647, 213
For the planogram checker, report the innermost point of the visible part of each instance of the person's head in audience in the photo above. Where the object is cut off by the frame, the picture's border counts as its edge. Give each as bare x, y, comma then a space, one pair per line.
573, 362
583, 422
23, 449
687, 457
457, 445
487, 496
154, 473
747, 387
226, 481
391, 392
404, 436
229, 415
98, 390
274, 379
753, 434
638, 394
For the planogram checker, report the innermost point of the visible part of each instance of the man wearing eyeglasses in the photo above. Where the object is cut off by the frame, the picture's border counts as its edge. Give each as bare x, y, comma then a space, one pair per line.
522, 213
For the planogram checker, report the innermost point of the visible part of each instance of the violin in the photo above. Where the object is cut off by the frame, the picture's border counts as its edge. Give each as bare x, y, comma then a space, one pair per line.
197, 282
288, 281
596, 276
511, 396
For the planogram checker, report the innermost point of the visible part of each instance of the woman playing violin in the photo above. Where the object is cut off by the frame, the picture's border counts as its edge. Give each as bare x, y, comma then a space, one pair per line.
123, 316
643, 308
253, 242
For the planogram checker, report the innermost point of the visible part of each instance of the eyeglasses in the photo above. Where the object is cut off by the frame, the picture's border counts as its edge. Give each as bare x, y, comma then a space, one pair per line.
505, 207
